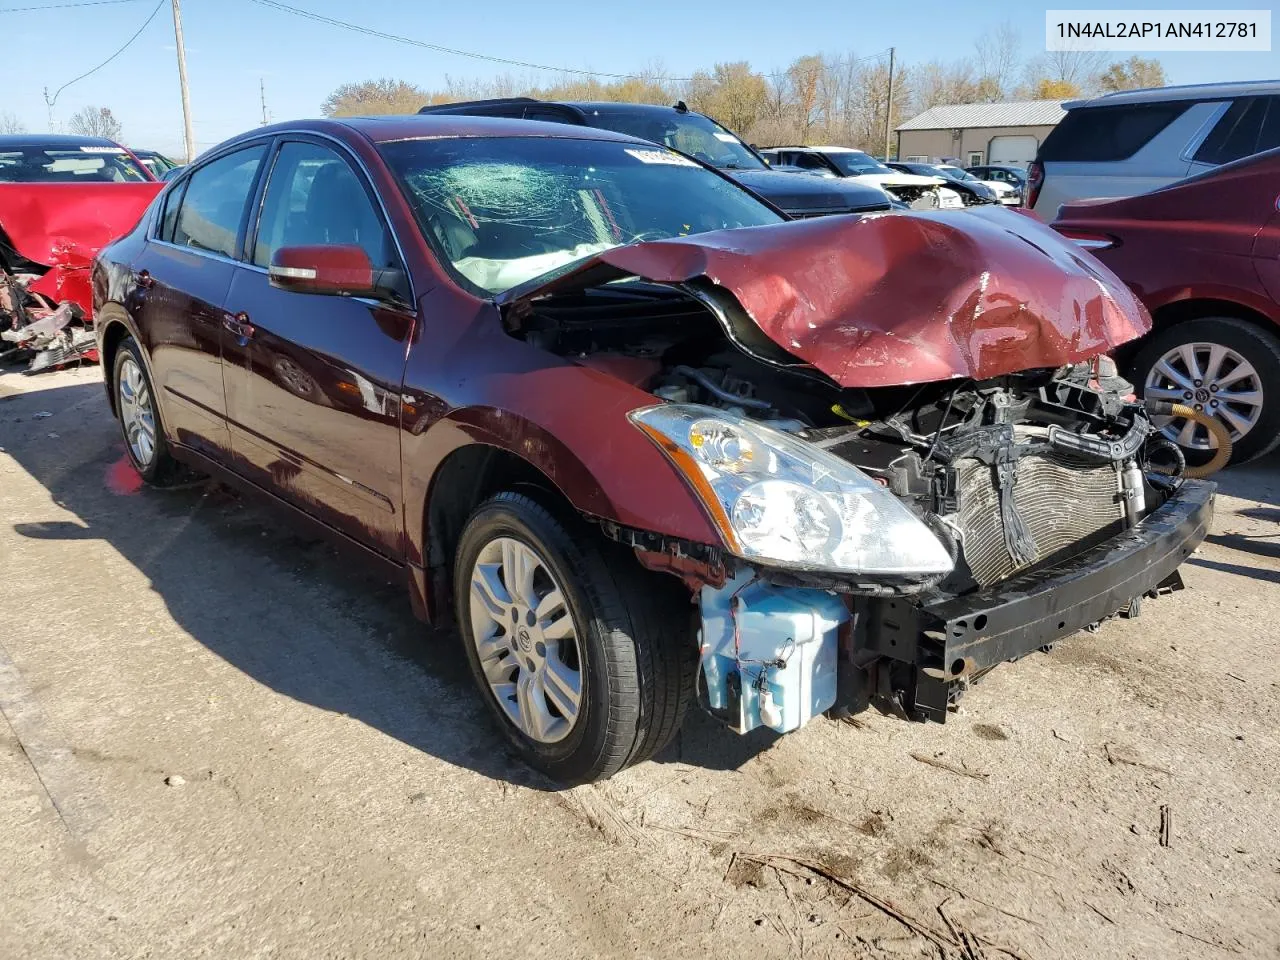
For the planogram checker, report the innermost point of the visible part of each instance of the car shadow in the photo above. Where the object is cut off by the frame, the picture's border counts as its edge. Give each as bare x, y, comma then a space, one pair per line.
291, 611
1259, 481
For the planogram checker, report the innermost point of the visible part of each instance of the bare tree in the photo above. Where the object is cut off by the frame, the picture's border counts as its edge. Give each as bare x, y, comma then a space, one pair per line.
9, 123
95, 122
996, 56
1079, 70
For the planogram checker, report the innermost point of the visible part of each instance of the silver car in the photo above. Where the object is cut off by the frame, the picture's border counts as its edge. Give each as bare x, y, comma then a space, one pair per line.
1124, 144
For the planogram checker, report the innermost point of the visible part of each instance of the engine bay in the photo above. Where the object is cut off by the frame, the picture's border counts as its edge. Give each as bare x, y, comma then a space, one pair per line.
1008, 473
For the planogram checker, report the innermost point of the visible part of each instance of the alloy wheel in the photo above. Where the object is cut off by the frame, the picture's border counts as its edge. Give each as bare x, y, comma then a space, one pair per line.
1209, 377
136, 413
527, 639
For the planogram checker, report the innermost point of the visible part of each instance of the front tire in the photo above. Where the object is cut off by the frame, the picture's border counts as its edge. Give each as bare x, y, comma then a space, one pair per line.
584, 658
1229, 367
139, 417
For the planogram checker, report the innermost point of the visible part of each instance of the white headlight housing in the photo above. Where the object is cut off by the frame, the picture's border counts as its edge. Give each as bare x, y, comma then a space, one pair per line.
788, 503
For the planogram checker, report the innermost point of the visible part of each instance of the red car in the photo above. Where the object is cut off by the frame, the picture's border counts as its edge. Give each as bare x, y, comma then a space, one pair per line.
1204, 256
638, 435
62, 198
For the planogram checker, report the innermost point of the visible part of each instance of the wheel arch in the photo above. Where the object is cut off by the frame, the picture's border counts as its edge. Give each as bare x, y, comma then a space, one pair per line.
1173, 312
114, 324
466, 478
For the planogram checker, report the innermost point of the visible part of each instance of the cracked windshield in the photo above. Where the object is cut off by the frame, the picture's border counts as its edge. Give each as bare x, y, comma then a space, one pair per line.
506, 210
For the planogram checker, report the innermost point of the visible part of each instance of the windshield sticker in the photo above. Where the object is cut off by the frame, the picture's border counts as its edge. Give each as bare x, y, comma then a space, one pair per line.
113, 150
661, 156
727, 138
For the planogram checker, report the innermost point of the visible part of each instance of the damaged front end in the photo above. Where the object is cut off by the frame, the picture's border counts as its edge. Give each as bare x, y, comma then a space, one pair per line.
49, 235
907, 432
1058, 506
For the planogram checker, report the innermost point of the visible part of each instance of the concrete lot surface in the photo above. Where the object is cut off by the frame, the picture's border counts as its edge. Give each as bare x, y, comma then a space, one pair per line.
221, 740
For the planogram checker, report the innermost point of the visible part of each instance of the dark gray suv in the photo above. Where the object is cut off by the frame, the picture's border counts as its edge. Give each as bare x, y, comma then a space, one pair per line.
697, 136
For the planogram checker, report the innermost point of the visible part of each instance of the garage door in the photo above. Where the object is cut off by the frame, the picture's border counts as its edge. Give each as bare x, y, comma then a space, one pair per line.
1012, 151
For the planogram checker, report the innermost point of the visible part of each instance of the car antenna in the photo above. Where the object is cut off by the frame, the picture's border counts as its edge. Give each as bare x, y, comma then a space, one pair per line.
681, 107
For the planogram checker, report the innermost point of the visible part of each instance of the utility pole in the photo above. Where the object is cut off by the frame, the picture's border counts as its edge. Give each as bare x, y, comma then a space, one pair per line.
49, 103
187, 131
888, 107
262, 89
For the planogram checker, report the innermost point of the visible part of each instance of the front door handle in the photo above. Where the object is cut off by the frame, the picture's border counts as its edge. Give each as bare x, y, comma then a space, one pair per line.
238, 324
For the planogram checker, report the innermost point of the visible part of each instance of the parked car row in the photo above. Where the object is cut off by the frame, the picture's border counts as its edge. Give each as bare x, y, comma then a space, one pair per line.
646, 439
929, 192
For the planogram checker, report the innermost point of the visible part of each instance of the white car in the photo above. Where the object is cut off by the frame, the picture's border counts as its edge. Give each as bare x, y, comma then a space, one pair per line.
920, 193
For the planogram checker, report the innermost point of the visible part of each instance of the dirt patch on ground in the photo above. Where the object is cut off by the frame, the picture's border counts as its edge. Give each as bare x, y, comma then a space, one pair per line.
220, 739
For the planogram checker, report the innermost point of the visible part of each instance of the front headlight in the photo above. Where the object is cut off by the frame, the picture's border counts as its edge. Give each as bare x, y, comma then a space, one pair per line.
785, 502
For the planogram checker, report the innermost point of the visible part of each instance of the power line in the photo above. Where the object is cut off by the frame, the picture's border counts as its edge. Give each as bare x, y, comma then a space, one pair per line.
65, 6
370, 32
146, 23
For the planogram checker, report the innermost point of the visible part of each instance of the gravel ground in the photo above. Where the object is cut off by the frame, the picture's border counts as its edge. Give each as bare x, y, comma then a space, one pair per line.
219, 739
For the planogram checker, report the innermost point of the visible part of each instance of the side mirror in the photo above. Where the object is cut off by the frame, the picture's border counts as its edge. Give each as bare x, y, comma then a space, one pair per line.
332, 269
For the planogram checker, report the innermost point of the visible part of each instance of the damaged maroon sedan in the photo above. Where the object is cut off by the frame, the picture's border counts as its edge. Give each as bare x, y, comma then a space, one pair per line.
643, 439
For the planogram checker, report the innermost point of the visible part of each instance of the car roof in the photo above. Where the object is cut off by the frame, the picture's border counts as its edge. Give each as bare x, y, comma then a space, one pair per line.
817, 149
413, 126
59, 140
1190, 91
582, 106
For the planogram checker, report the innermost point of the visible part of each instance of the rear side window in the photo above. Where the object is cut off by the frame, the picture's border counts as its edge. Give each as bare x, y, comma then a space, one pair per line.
1108, 133
1250, 125
172, 204
213, 206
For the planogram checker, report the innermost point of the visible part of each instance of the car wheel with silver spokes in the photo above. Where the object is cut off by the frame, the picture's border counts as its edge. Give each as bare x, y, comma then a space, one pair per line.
139, 416
585, 659
1222, 366
526, 639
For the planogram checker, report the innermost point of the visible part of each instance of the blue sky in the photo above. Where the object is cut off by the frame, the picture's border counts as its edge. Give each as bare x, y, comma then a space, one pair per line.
232, 44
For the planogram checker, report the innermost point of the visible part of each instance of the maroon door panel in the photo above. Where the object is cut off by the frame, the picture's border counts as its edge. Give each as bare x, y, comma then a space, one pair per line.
1266, 253
313, 381
179, 314
182, 279
313, 401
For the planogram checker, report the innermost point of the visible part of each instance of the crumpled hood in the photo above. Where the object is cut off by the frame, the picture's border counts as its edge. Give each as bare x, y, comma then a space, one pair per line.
898, 298
66, 224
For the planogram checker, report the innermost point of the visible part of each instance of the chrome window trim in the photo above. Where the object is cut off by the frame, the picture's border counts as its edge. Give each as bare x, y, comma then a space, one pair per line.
198, 251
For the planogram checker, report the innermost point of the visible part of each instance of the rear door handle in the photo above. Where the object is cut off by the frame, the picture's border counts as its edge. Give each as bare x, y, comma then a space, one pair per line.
238, 325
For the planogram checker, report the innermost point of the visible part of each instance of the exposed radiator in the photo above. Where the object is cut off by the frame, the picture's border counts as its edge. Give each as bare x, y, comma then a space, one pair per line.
1061, 500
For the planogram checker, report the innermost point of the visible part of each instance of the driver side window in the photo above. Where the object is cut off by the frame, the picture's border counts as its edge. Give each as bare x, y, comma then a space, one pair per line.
314, 198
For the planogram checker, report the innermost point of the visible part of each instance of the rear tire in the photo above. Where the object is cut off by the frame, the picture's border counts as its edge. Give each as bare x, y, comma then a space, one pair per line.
139, 416
1160, 370
621, 633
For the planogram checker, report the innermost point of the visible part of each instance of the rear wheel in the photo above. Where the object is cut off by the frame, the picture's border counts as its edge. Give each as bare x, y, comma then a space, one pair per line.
140, 417
584, 658
1227, 367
